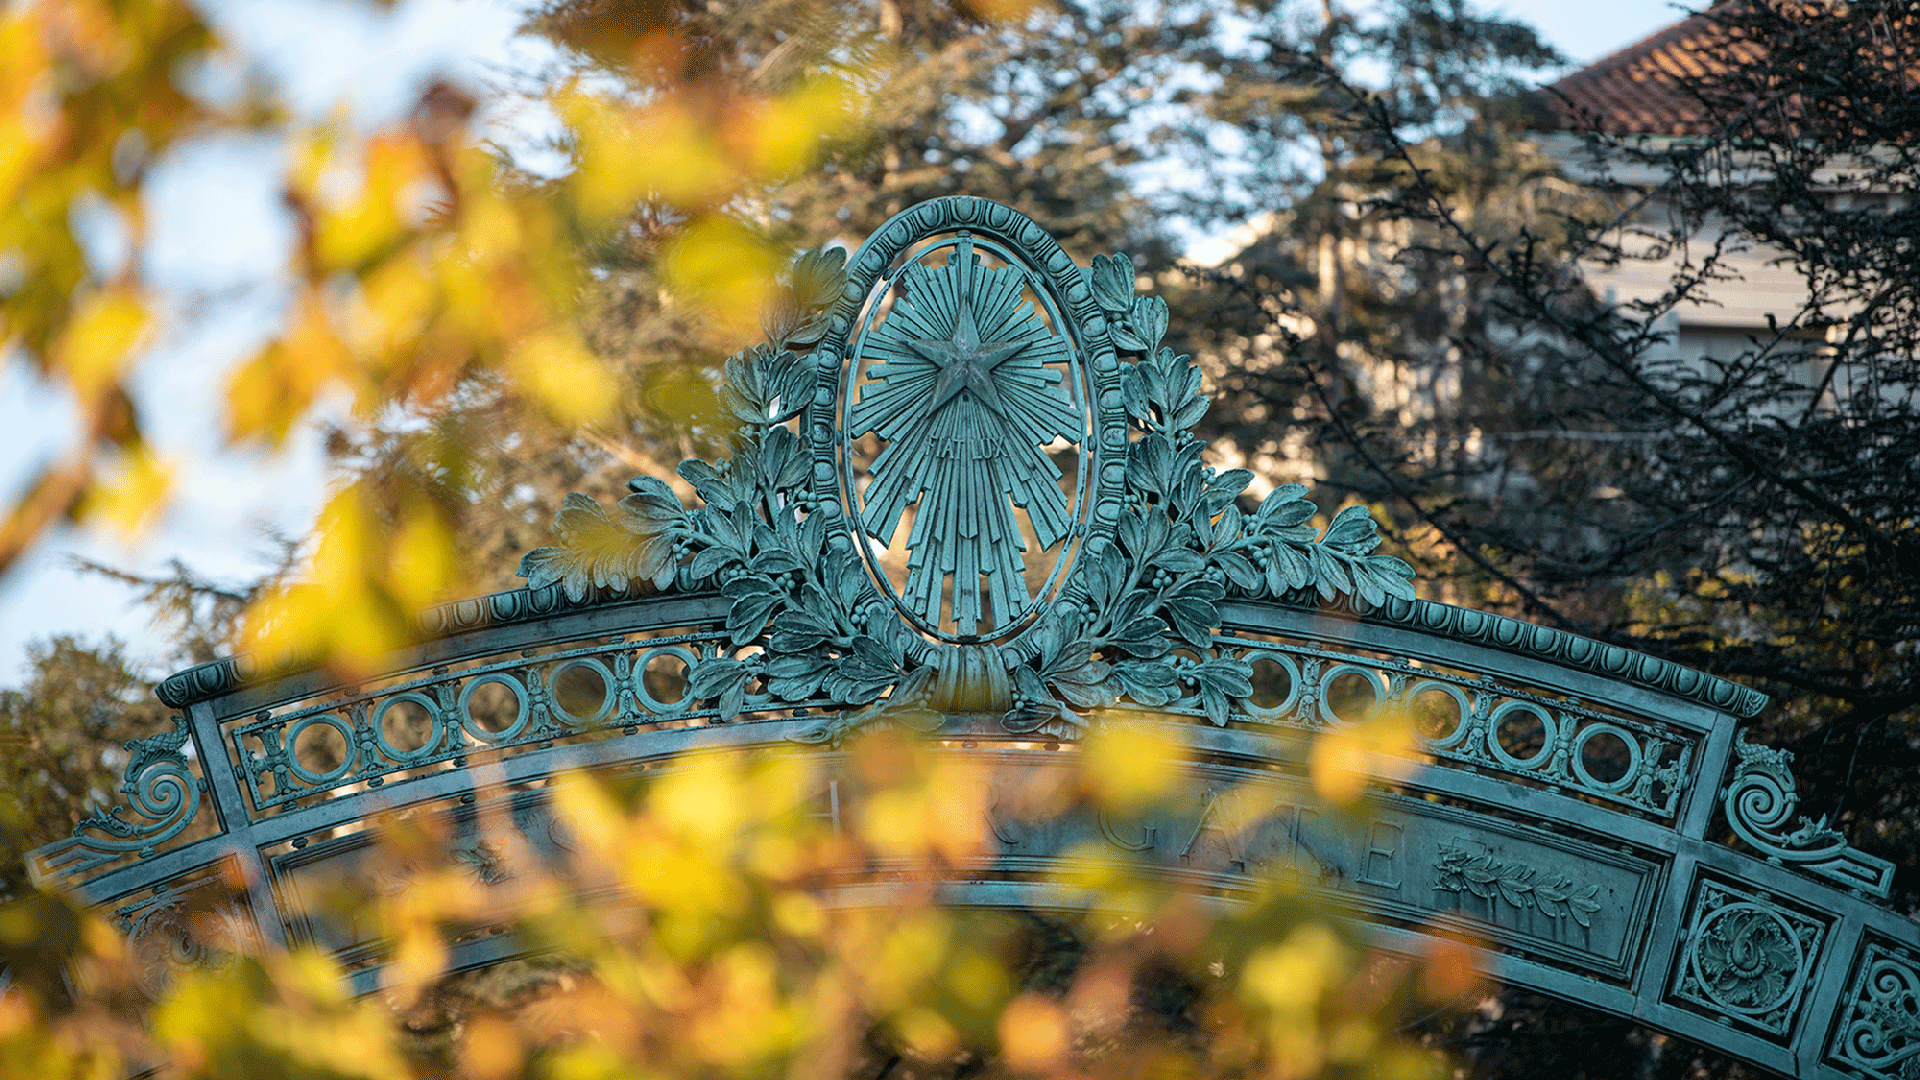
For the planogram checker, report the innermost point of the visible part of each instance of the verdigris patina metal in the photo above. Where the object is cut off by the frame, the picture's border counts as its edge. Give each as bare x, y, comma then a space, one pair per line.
966, 421
964, 496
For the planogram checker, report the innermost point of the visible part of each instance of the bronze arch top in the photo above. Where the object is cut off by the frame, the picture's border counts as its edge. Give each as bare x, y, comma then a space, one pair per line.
1170, 602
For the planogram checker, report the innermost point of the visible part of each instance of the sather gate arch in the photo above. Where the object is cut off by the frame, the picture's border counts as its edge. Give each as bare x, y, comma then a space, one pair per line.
964, 498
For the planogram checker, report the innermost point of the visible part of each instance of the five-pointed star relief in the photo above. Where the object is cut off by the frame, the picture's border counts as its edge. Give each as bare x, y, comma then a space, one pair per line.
966, 362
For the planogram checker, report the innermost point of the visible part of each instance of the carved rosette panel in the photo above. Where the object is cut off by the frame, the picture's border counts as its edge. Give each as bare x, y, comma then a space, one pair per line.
1879, 1031
1746, 959
205, 925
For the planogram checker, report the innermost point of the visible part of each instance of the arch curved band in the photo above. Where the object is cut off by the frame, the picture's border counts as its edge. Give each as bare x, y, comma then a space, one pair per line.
1664, 889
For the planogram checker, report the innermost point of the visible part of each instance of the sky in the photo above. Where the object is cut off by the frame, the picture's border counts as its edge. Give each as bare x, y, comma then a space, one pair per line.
217, 225
1586, 31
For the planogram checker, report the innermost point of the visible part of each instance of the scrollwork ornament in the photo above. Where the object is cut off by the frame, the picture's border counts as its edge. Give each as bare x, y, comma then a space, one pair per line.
1880, 1033
161, 787
1760, 801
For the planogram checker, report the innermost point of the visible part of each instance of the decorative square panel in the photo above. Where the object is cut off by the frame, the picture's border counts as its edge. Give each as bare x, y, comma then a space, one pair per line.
1879, 1031
1746, 958
203, 921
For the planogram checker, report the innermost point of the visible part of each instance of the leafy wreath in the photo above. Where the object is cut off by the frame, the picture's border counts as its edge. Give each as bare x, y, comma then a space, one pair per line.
1182, 544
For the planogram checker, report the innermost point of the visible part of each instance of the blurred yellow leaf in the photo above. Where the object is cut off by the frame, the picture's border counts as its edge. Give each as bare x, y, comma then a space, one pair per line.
20, 145
790, 132
926, 1033
685, 393
1033, 1034
129, 492
726, 270
945, 814
422, 561
1292, 976
345, 613
395, 186
491, 1050
663, 150
397, 299
1353, 1041
1131, 765
99, 343
490, 230
1003, 11
563, 377
914, 947
797, 915
702, 800
1449, 971
315, 975
1343, 760
419, 956
594, 820
23, 72
16, 1015
745, 1022
977, 979
268, 393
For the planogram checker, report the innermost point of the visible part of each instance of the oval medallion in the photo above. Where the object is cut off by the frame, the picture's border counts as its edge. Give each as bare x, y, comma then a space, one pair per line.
966, 426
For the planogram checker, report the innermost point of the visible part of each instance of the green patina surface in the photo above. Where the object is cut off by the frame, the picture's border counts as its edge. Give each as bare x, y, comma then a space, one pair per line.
964, 495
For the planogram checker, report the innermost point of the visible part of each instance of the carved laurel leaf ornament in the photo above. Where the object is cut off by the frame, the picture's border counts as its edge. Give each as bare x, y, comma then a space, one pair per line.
928, 393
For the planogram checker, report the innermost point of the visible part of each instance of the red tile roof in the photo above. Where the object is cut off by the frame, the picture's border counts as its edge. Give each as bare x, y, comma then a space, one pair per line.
1643, 88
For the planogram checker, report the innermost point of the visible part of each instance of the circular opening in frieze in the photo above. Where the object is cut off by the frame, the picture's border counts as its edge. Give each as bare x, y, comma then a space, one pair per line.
320, 748
1522, 733
1436, 713
666, 679
966, 435
582, 690
492, 707
405, 726
1273, 684
663, 675
1351, 696
1605, 757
